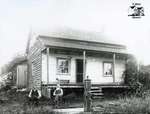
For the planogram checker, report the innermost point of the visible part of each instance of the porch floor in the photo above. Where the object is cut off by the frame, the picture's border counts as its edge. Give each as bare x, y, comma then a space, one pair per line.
81, 85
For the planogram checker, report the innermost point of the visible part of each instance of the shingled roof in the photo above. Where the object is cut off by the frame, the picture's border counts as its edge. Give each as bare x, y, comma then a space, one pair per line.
68, 33
81, 40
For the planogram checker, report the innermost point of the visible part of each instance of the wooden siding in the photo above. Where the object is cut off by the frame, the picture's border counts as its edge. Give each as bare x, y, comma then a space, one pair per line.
15, 73
21, 79
94, 68
34, 64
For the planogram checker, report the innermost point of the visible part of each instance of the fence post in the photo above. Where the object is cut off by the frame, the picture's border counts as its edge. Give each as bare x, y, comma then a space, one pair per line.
49, 92
87, 99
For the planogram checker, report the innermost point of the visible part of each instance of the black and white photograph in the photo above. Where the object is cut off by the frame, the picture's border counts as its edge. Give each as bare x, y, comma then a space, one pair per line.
74, 57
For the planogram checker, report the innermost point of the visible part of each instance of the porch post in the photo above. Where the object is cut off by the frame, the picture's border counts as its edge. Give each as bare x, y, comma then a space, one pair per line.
87, 95
114, 62
47, 52
84, 65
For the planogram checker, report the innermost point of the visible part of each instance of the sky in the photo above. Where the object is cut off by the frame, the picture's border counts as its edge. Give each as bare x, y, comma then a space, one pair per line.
107, 17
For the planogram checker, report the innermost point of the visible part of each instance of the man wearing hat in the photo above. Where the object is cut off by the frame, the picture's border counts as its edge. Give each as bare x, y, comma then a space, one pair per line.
58, 93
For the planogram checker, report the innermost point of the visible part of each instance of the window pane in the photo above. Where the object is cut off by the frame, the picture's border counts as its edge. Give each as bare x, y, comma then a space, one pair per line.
107, 69
63, 65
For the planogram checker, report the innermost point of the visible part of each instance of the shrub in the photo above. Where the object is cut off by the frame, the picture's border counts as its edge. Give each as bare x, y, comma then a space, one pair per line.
131, 78
144, 78
5, 88
138, 81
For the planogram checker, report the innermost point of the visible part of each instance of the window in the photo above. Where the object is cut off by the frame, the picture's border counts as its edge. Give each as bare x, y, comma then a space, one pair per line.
63, 65
108, 69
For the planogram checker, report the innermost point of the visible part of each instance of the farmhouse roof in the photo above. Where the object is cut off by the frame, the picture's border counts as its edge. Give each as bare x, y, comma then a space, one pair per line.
69, 33
81, 40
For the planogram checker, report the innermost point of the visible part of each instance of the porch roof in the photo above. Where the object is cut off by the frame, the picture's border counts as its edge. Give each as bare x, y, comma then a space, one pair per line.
82, 44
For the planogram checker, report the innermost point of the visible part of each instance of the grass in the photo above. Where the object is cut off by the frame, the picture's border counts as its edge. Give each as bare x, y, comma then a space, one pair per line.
14, 103
127, 105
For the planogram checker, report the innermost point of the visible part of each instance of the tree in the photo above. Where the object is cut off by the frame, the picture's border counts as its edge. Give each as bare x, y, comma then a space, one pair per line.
132, 76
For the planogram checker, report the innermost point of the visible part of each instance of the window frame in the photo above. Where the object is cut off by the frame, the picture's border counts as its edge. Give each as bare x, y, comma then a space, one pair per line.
69, 65
104, 75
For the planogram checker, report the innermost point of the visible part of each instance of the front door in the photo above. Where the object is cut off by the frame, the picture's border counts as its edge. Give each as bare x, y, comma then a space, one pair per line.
79, 70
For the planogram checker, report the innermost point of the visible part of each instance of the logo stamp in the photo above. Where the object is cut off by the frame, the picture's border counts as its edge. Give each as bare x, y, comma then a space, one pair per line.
136, 10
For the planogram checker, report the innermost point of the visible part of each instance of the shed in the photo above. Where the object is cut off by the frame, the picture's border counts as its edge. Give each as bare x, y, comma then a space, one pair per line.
18, 67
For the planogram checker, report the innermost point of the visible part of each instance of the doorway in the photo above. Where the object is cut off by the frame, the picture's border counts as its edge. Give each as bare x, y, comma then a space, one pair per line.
79, 70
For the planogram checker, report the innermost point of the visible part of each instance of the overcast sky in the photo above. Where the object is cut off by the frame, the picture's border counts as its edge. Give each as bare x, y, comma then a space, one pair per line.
109, 17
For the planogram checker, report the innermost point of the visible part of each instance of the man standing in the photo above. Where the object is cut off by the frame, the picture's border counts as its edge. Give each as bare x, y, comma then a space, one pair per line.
34, 96
58, 93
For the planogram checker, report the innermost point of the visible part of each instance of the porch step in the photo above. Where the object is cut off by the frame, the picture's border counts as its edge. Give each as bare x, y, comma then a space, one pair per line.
93, 87
96, 93
96, 90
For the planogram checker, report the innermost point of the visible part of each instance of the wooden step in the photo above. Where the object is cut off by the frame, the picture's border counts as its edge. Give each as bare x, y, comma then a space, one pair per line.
95, 91
97, 94
95, 87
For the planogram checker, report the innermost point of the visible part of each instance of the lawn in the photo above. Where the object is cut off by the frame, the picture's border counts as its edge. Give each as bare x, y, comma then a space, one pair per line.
12, 102
126, 105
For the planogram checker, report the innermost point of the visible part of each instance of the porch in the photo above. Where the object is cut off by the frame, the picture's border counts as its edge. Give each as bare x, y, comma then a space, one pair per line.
47, 89
81, 85
74, 65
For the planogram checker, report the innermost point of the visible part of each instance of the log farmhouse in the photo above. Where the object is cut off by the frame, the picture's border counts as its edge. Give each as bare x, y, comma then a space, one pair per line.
71, 60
